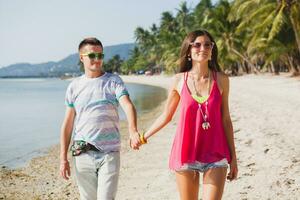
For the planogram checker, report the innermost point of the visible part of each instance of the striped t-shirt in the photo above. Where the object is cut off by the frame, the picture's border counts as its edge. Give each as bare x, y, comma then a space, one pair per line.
95, 101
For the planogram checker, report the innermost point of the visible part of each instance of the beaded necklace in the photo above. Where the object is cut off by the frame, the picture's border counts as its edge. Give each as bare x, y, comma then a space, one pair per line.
205, 124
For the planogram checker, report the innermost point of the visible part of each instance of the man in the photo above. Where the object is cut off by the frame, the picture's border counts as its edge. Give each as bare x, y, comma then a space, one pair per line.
92, 101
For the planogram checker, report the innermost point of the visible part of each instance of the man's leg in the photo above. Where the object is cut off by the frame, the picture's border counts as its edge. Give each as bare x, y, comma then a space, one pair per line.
108, 176
86, 176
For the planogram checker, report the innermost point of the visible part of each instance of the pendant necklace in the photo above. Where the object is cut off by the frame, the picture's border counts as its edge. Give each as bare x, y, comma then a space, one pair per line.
205, 123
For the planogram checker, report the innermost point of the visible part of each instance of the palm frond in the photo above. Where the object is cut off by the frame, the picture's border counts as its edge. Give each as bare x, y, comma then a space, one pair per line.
266, 23
255, 16
277, 23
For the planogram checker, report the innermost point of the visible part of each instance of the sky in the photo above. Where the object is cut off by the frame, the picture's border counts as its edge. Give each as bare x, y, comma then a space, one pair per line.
37, 31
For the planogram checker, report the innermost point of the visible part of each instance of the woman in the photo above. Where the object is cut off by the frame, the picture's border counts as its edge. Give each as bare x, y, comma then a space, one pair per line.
204, 138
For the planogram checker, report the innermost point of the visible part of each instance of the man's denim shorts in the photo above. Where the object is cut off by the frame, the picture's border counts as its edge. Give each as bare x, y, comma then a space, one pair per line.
202, 167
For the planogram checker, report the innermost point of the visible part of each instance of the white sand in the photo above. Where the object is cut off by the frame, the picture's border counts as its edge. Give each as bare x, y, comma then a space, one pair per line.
265, 111
266, 119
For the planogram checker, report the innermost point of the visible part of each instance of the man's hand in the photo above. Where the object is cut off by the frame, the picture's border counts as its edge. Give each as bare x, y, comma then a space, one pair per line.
65, 169
134, 140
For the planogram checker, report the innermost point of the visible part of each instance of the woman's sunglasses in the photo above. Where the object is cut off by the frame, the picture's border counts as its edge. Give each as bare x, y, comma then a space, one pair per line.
93, 55
206, 45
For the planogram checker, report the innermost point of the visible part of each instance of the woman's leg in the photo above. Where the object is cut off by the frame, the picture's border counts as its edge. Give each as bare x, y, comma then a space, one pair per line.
213, 183
188, 184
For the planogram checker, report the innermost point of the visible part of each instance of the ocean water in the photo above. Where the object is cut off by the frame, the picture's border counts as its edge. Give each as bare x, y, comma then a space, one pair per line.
32, 110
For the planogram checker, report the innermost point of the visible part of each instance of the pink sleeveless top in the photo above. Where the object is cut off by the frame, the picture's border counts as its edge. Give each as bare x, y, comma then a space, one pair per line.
192, 143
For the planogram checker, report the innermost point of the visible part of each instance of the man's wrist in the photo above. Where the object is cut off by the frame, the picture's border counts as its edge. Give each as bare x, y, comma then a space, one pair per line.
63, 158
62, 162
132, 130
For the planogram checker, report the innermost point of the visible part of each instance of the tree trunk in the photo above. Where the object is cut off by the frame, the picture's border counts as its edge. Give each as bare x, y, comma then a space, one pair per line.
293, 67
275, 68
234, 69
295, 23
246, 67
255, 70
270, 68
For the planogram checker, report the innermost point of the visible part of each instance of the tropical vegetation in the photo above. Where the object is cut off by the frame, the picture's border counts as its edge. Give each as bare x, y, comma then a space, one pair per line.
251, 35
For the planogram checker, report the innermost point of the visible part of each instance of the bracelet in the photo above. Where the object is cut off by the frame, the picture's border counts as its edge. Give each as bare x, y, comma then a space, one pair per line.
142, 138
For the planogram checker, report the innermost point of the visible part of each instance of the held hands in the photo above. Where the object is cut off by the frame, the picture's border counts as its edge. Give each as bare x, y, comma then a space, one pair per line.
232, 175
136, 140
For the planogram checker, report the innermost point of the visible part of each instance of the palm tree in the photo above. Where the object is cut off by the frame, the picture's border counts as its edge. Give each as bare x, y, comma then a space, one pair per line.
143, 39
241, 40
128, 66
232, 45
273, 17
184, 19
113, 64
201, 14
169, 39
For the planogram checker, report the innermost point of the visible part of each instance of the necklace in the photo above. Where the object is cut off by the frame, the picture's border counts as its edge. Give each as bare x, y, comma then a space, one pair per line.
208, 85
205, 123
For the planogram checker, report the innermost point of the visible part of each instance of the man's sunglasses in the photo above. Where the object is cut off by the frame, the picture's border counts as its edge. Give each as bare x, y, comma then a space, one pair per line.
92, 56
206, 45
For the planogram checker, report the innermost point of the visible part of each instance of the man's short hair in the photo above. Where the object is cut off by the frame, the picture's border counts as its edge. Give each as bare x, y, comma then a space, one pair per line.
90, 41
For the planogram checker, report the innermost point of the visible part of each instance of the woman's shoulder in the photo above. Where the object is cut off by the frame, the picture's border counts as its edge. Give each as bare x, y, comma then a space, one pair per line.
177, 81
222, 81
179, 76
222, 77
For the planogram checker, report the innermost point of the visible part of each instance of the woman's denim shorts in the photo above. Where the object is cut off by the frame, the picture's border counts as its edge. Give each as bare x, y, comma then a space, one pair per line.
203, 167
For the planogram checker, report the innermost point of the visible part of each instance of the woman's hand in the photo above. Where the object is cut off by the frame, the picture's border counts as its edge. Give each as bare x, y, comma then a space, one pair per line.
233, 169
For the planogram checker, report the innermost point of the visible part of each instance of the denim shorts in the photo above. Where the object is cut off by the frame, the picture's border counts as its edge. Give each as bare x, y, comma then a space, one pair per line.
203, 167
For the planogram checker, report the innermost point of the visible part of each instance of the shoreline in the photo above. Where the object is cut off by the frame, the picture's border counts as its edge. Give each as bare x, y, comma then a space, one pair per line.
22, 159
39, 177
264, 111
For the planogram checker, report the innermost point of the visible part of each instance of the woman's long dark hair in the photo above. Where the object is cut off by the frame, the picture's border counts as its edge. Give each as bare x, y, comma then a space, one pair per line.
185, 64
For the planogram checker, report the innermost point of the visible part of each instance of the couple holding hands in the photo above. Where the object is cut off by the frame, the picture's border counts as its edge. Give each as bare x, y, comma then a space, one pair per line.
203, 143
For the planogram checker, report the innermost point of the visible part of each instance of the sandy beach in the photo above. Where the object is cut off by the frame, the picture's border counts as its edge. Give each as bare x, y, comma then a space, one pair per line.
266, 119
